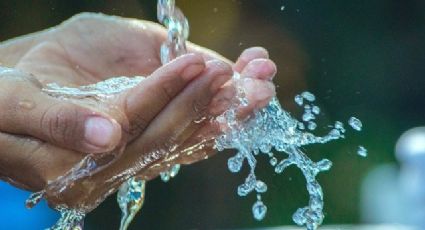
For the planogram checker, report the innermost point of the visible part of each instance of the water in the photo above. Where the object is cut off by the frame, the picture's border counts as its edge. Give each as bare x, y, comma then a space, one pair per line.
270, 132
362, 151
167, 175
355, 123
130, 198
175, 45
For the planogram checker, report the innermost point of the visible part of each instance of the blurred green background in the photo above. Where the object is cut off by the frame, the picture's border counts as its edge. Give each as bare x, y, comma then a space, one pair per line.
359, 57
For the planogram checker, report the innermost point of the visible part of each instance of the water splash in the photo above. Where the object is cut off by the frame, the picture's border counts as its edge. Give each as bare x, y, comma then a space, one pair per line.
273, 127
175, 45
362, 151
267, 129
70, 219
355, 123
130, 198
167, 175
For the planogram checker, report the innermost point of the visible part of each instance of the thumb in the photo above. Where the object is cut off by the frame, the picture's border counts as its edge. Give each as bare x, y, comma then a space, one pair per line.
28, 111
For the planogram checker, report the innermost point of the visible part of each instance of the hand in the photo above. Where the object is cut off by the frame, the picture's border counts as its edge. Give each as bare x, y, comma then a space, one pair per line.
89, 48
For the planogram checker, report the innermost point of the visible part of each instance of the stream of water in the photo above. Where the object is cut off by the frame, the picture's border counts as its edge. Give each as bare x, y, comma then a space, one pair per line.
270, 132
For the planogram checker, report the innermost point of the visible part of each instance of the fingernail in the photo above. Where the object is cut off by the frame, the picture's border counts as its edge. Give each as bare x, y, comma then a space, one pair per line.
99, 131
260, 68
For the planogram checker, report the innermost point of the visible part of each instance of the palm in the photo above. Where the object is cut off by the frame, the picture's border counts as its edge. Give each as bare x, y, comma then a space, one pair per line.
92, 48
74, 54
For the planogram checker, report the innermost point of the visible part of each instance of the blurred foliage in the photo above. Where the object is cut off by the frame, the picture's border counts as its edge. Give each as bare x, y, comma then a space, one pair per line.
364, 58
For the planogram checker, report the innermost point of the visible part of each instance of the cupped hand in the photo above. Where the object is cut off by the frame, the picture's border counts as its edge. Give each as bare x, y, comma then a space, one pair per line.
89, 48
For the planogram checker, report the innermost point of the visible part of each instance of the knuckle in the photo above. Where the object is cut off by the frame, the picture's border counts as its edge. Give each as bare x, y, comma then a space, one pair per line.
199, 107
138, 125
166, 91
84, 16
60, 123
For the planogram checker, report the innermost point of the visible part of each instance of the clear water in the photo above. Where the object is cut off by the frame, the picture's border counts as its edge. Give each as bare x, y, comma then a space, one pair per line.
270, 132
130, 198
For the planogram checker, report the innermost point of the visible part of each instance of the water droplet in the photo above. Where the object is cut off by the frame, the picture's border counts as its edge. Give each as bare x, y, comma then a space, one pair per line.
299, 216
165, 176
260, 187
26, 104
316, 110
235, 163
273, 161
312, 125
244, 189
174, 170
355, 123
362, 151
299, 100
34, 199
308, 116
259, 210
324, 165
339, 125
308, 96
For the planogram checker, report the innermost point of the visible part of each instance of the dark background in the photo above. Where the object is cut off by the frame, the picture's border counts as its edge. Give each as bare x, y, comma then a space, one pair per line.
360, 57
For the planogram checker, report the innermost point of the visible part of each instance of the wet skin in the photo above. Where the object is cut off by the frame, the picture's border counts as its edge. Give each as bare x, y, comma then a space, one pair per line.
42, 138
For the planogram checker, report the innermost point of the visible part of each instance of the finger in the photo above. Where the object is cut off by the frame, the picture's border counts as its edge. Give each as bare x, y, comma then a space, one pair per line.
146, 100
200, 145
174, 124
184, 114
23, 156
260, 68
28, 111
206, 53
257, 92
169, 128
11, 51
249, 55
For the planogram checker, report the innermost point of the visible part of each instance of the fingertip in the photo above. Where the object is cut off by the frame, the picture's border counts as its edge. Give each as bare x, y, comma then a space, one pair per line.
101, 134
249, 55
260, 68
221, 72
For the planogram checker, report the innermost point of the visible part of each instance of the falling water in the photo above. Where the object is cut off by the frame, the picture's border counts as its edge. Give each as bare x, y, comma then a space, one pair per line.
270, 131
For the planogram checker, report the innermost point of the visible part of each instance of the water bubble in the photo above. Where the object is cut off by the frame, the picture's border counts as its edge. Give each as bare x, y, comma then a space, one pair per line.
282, 8
362, 151
259, 210
355, 123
